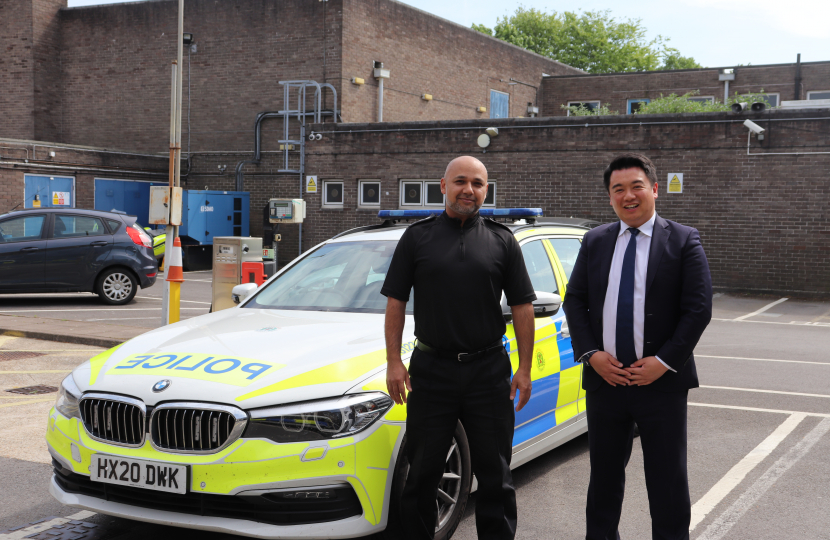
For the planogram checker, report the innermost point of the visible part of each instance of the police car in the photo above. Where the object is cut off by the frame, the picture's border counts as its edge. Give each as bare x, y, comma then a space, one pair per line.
271, 419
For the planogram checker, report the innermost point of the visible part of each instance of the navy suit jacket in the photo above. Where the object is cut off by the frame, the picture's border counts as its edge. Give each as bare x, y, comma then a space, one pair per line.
678, 303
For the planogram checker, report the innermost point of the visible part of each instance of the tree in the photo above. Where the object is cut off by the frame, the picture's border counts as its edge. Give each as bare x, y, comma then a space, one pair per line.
591, 40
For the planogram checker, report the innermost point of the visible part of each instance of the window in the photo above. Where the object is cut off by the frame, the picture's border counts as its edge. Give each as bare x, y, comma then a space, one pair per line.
114, 225
818, 94
538, 267
369, 193
566, 249
22, 229
412, 193
499, 104
590, 105
770, 99
434, 195
333, 194
67, 226
490, 199
702, 99
635, 104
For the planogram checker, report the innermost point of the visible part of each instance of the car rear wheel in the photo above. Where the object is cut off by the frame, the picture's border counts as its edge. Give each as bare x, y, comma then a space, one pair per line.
116, 286
453, 490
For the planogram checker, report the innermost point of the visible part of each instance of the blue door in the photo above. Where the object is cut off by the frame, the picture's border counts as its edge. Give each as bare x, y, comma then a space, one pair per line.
48, 191
130, 196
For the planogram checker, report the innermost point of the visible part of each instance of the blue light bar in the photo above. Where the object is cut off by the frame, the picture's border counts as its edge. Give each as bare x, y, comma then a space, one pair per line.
486, 212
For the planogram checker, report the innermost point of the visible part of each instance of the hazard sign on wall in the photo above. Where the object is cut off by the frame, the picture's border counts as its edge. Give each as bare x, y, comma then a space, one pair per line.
675, 182
311, 184
60, 198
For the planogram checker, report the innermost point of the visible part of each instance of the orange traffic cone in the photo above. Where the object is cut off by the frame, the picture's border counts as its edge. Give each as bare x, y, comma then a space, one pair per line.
174, 270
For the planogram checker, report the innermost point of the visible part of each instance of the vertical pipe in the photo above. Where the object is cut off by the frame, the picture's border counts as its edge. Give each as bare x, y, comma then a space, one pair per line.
302, 173
798, 77
165, 291
380, 99
725, 92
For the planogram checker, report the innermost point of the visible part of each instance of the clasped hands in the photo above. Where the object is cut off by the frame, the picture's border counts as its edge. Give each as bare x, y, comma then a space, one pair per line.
640, 373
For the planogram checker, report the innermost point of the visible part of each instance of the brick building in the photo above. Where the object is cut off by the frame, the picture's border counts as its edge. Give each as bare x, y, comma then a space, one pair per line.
622, 92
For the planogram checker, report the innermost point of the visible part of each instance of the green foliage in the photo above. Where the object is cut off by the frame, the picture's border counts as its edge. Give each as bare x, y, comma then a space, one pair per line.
483, 29
591, 40
674, 104
582, 110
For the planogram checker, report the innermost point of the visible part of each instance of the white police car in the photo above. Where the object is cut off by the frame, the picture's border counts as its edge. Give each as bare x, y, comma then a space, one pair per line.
271, 420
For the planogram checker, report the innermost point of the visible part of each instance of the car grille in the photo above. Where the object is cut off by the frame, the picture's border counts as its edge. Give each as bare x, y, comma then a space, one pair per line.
268, 508
195, 427
113, 419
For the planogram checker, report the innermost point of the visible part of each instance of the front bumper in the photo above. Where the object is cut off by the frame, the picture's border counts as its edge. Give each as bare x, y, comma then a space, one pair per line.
244, 471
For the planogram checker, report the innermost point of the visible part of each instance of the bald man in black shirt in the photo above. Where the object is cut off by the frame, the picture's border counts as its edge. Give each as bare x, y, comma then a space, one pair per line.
459, 263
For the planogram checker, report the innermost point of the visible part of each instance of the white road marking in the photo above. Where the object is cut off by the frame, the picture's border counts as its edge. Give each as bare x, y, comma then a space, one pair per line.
721, 526
737, 473
191, 301
91, 310
791, 323
27, 402
766, 391
763, 309
762, 359
757, 409
26, 531
33, 372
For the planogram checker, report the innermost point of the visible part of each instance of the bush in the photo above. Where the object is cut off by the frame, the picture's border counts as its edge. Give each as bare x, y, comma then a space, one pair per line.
582, 110
674, 104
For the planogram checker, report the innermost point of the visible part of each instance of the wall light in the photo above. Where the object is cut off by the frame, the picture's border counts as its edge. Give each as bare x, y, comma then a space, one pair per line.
358, 81
426, 97
482, 109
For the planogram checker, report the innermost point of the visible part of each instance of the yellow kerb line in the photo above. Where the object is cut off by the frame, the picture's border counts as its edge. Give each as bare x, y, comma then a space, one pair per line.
26, 402
33, 372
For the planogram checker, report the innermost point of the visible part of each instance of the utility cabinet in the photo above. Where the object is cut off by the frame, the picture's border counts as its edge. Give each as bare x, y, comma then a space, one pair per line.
228, 255
215, 213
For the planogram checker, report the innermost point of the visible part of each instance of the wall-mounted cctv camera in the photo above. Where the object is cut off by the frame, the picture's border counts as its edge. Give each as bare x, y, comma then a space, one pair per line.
739, 107
753, 127
311, 136
491, 131
318, 136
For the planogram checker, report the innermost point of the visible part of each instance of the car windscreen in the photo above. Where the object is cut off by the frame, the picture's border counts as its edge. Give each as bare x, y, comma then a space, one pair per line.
343, 276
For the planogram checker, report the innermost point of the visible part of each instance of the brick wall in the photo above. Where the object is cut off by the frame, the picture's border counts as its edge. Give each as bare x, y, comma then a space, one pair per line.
16, 69
616, 89
763, 219
429, 55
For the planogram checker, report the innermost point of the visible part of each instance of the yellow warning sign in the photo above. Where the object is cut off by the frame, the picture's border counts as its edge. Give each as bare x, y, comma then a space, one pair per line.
311, 184
36, 203
675, 183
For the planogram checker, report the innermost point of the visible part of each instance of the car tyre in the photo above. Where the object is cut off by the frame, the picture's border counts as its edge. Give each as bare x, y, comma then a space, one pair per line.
455, 486
116, 286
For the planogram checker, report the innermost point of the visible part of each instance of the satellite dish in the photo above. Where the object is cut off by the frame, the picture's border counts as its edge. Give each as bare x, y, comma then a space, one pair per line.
484, 140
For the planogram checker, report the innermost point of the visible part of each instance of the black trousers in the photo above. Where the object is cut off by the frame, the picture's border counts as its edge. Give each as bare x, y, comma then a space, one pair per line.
477, 393
661, 418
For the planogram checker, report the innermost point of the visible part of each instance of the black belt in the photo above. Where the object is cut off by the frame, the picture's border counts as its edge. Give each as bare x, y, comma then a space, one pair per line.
459, 356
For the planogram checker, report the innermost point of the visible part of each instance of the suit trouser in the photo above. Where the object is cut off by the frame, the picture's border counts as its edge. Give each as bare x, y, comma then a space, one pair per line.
661, 419
477, 393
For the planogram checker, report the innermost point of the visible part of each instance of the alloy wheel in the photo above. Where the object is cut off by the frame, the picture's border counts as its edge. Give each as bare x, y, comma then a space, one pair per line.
117, 286
449, 488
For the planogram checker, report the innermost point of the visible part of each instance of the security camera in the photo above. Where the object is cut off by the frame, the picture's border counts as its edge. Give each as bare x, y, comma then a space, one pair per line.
491, 131
738, 107
318, 136
311, 136
759, 106
753, 127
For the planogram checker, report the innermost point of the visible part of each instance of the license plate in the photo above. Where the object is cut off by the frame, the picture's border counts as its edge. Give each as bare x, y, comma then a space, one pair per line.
138, 473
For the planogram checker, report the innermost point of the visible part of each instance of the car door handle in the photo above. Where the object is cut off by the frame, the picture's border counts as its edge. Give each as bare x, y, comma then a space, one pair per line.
31, 248
98, 243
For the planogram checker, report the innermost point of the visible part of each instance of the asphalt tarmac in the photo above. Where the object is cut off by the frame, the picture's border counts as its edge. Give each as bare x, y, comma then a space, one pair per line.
759, 437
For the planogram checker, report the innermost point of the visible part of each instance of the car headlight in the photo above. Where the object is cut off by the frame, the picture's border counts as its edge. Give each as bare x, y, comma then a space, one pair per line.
68, 395
318, 420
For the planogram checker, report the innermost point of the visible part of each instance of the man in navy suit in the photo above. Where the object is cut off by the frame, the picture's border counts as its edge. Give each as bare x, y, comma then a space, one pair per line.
638, 300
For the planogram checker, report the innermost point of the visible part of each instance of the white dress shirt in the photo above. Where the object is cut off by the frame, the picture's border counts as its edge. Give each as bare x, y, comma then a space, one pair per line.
609, 310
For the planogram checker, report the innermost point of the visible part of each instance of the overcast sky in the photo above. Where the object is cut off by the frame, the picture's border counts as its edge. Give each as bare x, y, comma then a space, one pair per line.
713, 32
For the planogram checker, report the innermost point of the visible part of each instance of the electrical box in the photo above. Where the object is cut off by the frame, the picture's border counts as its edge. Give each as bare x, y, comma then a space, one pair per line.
286, 210
165, 205
229, 252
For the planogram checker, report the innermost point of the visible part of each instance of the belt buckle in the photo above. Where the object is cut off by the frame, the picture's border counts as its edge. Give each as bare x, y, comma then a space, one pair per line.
460, 355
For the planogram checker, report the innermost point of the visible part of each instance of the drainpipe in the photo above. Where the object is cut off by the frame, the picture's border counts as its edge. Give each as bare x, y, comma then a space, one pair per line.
798, 77
380, 74
726, 75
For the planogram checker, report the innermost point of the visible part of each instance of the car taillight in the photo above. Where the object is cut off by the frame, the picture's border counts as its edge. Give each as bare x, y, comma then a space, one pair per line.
139, 237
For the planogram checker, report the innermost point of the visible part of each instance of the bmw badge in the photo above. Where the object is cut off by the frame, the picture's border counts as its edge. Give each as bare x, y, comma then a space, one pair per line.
161, 386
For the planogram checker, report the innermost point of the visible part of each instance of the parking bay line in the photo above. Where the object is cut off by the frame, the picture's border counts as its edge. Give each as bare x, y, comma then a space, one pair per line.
756, 409
765, 391
759, 311
33, 372
791, 323
26, 402
762, 359
92, 310
721, 526
190, 301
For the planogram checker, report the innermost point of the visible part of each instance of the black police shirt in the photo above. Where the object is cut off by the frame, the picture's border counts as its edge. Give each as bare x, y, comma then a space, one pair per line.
458, 274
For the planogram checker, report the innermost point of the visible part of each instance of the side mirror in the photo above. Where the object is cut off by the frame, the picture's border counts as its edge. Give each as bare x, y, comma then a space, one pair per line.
243, 291
545, 305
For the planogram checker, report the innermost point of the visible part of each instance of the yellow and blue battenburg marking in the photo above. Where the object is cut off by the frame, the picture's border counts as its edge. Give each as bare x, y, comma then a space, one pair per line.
231, 370
556, 380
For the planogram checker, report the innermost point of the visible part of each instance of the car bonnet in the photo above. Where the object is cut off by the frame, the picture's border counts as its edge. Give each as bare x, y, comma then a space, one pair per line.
245, 357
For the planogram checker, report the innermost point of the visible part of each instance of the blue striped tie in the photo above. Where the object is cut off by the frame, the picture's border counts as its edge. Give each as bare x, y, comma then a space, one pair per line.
626, 353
